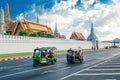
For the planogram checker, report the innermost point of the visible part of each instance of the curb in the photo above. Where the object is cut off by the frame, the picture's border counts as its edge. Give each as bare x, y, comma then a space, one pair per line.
15, 58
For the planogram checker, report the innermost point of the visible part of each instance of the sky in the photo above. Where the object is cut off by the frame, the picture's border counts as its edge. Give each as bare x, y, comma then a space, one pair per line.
71, 15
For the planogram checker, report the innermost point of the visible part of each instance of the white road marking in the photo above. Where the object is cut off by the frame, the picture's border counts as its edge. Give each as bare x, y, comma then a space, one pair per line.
108, 66
113, 63
47, 71
96, 74
110, 79
106, 60
55, 70
103, 69
25, 71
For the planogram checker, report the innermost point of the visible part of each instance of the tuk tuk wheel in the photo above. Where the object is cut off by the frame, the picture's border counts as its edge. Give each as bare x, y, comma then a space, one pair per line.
53, 62
35, 63
81, 60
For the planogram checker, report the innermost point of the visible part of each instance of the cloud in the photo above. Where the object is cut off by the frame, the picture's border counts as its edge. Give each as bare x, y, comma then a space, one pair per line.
86, 3
64, 5
68, 18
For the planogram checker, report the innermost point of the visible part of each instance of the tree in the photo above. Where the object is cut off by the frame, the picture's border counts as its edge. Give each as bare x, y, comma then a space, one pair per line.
33, 35
42, 33
23, 33
50, 36
45, 34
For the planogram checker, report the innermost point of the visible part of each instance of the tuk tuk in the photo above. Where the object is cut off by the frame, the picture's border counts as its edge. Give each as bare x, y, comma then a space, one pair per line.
44, 55
73, 56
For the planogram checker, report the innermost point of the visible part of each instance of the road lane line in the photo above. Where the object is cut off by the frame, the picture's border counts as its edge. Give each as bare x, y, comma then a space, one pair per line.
110, 66
103, 69
113, 63
110, 79
49, 71
26, 71
96, 74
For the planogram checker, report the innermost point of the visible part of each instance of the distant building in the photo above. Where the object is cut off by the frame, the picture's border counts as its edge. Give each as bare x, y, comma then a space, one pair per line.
7, 26
5, 19
28, 26
7, 16
77, 36
2, 22
57, 34
93, 38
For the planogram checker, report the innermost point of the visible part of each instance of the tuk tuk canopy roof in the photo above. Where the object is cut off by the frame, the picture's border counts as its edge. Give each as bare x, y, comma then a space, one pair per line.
47, 48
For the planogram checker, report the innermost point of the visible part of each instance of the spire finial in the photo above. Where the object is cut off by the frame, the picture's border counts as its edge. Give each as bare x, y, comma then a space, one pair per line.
56, 30
92, 31
38, 19
56, 33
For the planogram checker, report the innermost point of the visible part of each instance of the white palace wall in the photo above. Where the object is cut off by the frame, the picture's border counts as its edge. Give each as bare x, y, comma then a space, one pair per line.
15, 44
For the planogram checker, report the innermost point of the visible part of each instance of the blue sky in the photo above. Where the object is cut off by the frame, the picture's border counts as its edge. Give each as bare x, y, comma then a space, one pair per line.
20, 6
70, 15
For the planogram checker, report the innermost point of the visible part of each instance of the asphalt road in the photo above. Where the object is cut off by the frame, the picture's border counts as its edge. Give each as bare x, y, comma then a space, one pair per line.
98, 65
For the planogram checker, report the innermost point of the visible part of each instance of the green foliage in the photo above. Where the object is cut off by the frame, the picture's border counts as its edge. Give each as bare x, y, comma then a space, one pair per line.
45, 34
49, 36
42, 33
38, 34
23, 33
33, 35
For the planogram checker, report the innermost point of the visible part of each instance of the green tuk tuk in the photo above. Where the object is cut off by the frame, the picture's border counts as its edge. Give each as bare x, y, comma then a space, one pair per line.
44, 55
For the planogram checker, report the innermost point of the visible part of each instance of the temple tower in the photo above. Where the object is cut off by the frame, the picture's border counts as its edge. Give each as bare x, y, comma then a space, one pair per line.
7, 13
2, 23
7, 16
56, 33
38, 19
92, 37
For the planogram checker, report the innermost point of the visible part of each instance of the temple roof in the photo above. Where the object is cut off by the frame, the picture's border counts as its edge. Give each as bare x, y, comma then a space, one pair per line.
37, 27
30, 26
11, 26
78, 36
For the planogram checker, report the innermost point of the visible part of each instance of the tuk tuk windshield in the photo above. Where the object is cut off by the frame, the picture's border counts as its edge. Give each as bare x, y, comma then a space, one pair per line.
37, 53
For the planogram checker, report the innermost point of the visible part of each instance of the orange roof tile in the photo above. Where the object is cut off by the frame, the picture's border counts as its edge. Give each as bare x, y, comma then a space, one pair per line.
38, 27
76, 35
11, 26
25, 26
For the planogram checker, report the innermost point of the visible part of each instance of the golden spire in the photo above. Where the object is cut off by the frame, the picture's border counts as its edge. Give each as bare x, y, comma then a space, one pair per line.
7, 13
38, 19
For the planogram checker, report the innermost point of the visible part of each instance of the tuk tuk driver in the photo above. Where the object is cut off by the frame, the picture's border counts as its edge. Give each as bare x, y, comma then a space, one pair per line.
43, 53
70, 51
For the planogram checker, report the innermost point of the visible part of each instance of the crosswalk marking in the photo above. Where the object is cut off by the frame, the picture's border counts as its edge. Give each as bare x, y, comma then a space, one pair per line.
94, 74
103, 69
